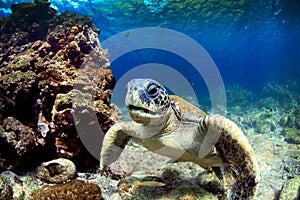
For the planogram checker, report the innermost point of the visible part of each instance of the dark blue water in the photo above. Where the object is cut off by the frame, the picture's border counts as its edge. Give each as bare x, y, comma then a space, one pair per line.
251, 42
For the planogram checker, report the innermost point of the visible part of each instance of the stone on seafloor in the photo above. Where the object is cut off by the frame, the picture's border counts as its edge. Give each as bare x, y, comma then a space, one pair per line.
291, 189
22, 186
57, 171
292, 135
72, 190
5, 190
291, 124
173, 181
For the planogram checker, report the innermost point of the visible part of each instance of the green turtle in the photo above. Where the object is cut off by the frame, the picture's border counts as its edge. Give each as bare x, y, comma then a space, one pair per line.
170, 126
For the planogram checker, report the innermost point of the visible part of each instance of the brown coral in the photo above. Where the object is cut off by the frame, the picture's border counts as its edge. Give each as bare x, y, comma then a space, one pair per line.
35, 72
72, 190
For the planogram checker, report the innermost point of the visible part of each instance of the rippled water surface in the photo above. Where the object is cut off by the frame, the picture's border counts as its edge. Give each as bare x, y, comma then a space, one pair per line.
252, 42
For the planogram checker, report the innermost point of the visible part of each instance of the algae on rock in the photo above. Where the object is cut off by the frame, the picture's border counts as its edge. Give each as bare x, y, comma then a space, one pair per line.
5, 190
291, 189
42, 57
74, 189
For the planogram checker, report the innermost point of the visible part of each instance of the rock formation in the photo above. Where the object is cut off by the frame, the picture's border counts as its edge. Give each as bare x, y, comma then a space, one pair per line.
49, 63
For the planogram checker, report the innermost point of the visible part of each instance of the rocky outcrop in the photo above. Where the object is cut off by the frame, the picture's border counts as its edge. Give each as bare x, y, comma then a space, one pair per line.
5, 191
51, 66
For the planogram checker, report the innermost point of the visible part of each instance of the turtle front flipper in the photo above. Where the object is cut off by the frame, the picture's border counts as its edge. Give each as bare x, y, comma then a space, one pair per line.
240, 171
113, 144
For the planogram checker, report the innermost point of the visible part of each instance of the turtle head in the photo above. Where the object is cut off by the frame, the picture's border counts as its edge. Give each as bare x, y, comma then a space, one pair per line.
147, 102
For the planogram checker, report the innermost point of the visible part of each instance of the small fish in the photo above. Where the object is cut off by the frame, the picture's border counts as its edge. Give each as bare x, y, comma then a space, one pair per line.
139, 183
149, 181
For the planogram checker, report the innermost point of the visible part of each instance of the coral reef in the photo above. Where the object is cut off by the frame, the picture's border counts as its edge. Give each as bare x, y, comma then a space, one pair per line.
109, 187
284, 95
72, 190
22, 187
275, 112
291, 124
5, 190
292, 135
18, 135
48, 61
28, 22
291, 189
272, 125
57, 171
238, 99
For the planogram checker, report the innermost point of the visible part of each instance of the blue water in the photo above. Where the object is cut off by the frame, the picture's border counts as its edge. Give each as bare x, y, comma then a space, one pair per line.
251, 42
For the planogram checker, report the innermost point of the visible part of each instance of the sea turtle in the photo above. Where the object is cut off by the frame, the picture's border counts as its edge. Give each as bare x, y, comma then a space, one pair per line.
170, 126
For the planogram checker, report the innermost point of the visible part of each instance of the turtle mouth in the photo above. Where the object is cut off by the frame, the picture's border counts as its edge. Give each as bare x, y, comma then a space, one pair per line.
133, 108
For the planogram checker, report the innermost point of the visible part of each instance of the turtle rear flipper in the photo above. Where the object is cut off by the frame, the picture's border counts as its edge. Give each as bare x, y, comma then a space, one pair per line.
240, 171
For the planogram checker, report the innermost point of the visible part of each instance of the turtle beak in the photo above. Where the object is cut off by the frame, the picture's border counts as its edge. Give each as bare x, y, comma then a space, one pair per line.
132, 108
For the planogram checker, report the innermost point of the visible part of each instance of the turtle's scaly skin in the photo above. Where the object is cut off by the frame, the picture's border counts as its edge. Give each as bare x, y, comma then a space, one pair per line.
172, 127
240, 169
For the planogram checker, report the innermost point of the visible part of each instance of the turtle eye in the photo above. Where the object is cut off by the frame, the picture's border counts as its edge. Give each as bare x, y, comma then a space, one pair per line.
152, 90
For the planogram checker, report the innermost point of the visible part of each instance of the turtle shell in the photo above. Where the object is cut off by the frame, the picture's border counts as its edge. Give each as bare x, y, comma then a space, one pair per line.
186, 111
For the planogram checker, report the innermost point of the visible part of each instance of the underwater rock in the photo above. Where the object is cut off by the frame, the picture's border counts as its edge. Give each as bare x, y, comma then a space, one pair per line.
238, 99
72, 190
22, 187
62, 116
39, 10
291, 126
290, 189
5, 190
280, 95
108, 186
155, 190
29, 18
17, 141
18, 136
292, 119
36, 73
180, 192
172, 181
163, 180
292, 135
57, 171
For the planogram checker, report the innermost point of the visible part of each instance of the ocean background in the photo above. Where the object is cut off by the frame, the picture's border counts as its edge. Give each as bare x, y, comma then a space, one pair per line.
253, 43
